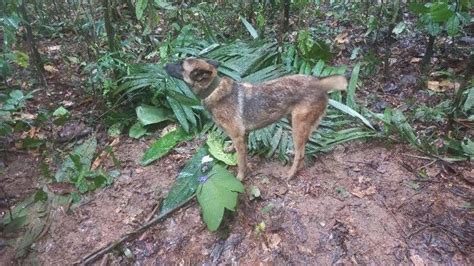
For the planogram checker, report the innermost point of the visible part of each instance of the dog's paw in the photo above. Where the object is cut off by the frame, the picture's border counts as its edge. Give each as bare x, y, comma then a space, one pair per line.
229, 149
240, 177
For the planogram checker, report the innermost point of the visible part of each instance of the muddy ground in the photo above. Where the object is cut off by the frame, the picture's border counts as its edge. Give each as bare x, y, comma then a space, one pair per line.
360, 204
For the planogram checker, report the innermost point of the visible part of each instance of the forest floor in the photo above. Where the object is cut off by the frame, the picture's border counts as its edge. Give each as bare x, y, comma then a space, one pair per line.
362, 203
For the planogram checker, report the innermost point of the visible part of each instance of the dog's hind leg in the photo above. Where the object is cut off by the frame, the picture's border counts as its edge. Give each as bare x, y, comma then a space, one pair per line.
304, 119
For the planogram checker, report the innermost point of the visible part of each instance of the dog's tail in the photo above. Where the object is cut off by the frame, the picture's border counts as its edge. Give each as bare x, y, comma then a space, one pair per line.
333, 83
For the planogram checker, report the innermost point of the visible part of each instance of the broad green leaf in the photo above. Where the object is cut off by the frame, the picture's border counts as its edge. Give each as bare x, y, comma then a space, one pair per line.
418, 8
85, 152
187, 181
115, 130
249, 28
137, 130
151, 115
452, 26
350, 101
17, 95
346, 109
440, 12
162, 146
399, 28
469, 103
140, 7
219, 192
21, 59
468, 148
60, 111
216, 149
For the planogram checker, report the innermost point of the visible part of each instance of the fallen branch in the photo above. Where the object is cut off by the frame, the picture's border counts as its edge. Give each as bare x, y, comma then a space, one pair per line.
129, 236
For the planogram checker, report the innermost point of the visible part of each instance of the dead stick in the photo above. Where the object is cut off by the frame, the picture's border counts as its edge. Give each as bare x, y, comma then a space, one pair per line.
127, 237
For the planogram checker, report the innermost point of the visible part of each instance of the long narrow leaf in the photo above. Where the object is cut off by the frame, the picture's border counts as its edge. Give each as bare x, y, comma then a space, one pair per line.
346, 109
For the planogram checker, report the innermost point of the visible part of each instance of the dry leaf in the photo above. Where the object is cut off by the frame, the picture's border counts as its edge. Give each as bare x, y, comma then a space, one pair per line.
415, 60
54, 48
442, 86
26, 116
434, 86
51, 69
275, 241
358, 192
342, 38
104, 155
61, 188
67, 103
417, 260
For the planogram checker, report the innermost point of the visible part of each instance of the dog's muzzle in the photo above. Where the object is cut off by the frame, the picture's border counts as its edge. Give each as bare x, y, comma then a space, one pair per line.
175, 70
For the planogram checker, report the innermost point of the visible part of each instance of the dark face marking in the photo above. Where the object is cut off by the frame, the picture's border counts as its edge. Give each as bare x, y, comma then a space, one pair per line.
175, 70
213, 63
200, 74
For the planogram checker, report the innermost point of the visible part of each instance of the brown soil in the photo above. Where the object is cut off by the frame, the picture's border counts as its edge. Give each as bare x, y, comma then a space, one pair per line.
355, 205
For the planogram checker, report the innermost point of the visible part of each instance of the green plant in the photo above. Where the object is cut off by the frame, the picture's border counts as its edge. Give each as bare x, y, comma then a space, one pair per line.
10, 105
76, 169
436, 16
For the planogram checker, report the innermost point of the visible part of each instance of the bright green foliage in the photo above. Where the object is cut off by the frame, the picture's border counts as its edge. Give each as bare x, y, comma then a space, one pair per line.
148, 115
351, 88
468, 148
60, 111
436, 14
84, 152
137, 130
164, 145
215, 144
216, 194
76, 168
140, 6
187, 181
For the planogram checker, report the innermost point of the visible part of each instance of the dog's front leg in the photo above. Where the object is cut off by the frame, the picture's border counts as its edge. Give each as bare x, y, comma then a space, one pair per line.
241, 148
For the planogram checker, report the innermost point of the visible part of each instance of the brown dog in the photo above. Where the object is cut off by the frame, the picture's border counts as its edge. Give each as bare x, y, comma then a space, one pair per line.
241, 107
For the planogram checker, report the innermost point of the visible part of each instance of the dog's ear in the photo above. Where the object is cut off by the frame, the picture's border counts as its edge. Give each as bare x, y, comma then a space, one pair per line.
213, 63
200, 74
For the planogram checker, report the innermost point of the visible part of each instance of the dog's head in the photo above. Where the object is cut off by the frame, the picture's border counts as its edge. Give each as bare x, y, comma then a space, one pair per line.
197, 73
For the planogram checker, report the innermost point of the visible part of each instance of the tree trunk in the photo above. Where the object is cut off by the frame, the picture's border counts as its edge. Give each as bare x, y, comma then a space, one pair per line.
108, 26
34, 54
286, 15
389, 39
425, 63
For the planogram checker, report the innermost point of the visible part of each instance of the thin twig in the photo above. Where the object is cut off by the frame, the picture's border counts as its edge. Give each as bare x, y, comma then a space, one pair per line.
129, 236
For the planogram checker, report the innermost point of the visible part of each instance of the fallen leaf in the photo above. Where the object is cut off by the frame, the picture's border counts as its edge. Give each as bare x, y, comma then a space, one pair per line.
67, 103
275, 240
442, 86
417, 260
342, 38
305, 250
51, 69
61, 188
358, 192
54, 48
26, 116
433, 85
415, 60
104, 155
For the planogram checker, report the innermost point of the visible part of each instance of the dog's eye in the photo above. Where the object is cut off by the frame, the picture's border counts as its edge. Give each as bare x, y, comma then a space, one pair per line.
200, 74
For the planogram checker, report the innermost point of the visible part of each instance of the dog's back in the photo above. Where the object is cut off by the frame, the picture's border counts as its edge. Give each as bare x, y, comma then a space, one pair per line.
267, 102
